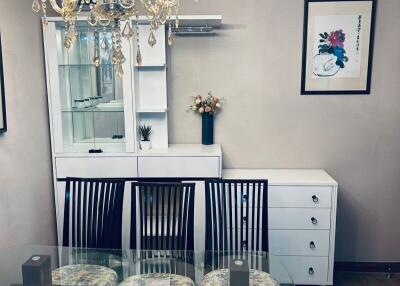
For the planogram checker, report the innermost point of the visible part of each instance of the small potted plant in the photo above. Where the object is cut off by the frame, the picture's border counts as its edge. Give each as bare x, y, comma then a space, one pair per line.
145, 132
207, 107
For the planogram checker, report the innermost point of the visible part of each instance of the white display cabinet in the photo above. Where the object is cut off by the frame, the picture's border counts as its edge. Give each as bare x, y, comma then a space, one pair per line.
90, 108
94, 115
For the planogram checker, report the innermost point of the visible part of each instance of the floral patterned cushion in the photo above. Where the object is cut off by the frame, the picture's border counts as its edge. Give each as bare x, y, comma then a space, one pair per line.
221, 278
157, 279
85, 275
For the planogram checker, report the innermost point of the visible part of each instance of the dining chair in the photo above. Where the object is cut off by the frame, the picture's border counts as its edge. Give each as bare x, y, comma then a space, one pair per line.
166, 215
93, 213
236, 213
162, 217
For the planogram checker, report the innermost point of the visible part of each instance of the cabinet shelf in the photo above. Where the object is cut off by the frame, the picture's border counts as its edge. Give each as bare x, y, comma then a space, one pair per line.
152, 110
92, 109
83, 65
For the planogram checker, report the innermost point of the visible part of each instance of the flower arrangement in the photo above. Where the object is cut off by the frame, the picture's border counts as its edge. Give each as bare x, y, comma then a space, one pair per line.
210, 104
333, 43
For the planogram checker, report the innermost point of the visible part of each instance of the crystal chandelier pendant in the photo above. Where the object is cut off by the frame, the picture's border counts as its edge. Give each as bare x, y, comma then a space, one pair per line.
104, 43
92, 20
36, 6
119, 71
152, 39
170, 35
127, 32
139, 57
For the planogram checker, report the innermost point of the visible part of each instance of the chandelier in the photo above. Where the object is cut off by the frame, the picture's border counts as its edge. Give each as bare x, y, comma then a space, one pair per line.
111, 13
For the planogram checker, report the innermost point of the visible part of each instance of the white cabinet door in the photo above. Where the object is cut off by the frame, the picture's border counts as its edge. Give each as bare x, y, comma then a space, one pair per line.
287, 218
179, 167
299, 242
97, 167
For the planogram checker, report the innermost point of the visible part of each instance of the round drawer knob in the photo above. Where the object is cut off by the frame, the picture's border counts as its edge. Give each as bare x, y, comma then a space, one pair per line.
311, 271
314, 220
312, 245
315, 199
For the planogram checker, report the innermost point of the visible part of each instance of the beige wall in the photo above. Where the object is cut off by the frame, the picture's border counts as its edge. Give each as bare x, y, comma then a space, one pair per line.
255, 63
26, 193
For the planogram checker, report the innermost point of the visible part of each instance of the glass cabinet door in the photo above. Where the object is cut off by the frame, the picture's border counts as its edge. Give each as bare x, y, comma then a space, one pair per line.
90, 95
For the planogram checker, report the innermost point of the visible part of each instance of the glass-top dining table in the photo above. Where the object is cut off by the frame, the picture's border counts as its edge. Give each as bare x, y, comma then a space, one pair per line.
104, 267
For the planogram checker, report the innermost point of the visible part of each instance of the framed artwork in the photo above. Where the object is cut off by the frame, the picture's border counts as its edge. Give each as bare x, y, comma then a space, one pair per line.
338, 46
3, 121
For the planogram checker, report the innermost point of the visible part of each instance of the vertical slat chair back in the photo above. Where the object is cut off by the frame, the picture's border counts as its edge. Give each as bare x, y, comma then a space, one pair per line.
93, 213
236, 220
166, 216
165, 226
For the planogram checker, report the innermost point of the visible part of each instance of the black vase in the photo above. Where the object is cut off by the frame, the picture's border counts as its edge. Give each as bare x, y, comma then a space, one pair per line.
207, 129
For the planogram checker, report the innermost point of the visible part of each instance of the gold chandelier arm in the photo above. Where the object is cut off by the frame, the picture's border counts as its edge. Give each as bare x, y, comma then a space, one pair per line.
69, 5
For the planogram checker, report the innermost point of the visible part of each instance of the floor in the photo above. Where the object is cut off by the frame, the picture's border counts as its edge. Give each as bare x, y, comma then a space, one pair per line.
365, 279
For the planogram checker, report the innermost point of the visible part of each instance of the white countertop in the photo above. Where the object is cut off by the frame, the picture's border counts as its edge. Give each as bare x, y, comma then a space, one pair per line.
193, 150
283, 176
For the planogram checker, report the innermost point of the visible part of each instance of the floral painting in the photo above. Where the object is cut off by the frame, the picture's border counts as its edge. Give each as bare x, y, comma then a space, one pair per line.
331, 54
337, 53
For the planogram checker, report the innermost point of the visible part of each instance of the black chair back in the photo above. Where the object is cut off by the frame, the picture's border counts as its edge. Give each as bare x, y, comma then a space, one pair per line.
93, 213
166, 213
236, 219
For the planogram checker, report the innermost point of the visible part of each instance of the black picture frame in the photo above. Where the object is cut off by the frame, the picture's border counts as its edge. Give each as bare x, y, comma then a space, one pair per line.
2, 93
367, 89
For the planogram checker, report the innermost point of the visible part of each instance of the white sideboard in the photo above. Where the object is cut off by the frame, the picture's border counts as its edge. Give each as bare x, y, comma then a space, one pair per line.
301, 220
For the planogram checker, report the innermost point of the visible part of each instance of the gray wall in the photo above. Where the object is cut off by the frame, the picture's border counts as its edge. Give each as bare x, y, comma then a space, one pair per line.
255, 63
26, 192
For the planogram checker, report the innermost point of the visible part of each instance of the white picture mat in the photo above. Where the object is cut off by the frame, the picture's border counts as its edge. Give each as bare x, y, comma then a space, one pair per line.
319, 9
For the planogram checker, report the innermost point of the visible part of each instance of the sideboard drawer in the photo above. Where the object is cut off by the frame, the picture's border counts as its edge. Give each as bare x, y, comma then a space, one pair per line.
292, 218
300, 196
179, 167
97, 167
303, 270
299, 242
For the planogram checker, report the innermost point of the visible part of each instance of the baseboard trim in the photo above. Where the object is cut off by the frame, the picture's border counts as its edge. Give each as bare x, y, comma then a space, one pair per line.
388, 267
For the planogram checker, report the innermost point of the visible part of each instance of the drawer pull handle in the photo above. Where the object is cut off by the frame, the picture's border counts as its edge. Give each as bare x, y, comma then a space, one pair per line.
311, 271
312, 245
314, 221
315, 199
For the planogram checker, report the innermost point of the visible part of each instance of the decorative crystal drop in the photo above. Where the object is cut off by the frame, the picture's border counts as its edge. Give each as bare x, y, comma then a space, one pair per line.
170, 37
177, 23
67, 42
36, 7
127, 32
152, 39
96, 61
92, 20
45, 22
119, 71
104, 43
139, 57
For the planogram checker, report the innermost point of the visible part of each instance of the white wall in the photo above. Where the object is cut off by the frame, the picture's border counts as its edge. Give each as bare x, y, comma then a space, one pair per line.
255, 63
26, 192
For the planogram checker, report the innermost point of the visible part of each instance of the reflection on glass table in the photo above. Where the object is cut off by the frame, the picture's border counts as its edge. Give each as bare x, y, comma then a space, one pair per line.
78, 266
